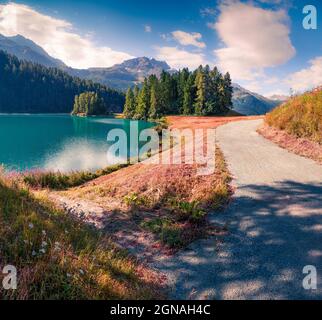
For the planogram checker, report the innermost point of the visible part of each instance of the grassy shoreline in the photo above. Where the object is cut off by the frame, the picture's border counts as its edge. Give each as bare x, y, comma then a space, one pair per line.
60, 258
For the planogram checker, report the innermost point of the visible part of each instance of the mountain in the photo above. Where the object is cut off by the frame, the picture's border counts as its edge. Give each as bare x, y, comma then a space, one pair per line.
26, 49
123, 75
250, 103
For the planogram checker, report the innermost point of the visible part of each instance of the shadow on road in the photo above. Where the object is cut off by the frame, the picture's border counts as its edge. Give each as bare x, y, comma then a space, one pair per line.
272, 235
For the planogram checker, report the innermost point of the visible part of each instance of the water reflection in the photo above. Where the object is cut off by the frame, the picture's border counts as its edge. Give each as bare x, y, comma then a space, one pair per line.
57, 142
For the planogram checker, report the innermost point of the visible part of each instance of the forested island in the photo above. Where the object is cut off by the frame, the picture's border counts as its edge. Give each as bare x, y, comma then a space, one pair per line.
201, 92
89, 104
32, 88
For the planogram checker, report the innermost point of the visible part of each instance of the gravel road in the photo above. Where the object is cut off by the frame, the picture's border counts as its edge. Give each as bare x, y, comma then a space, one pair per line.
274, 221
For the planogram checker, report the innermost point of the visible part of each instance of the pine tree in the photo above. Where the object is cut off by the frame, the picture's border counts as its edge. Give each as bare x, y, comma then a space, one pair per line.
136, 92
213, 101
76, 105
228, 89
143, 105
183, 77
154, 111
130, 104
165, 92
200, 83
173, 95
152, 80
188, 96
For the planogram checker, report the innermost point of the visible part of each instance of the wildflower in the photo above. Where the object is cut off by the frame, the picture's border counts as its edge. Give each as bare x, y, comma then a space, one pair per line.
81, 271
44, 244
30, 225
26, 241
44, 233
68, 275
33, 253
66, 231
42, 251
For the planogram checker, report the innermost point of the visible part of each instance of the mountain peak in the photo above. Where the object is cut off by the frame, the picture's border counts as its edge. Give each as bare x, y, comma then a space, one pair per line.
144, 63
26, 49
250, 103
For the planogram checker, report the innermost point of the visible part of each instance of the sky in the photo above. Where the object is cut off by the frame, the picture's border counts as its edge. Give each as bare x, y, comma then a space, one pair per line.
262, 43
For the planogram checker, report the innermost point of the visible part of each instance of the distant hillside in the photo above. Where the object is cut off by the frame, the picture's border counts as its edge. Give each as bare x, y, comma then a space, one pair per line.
300, 116
26, 49
30, 87
249, 103
124, 75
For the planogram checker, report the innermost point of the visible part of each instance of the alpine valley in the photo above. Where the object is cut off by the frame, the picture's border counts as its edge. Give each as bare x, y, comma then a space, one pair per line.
119, 77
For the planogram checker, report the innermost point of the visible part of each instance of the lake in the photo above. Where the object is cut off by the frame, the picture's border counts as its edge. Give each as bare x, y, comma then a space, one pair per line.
57, 142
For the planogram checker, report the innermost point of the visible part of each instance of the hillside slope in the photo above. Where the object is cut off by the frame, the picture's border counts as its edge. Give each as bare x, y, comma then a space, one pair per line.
301, 116
26, 49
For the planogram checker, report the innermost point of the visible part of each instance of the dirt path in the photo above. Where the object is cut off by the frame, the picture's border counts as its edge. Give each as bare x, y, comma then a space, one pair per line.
275, 223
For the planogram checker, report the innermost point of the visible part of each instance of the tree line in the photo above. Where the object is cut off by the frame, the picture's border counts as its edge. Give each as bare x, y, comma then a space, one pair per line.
31, 87
201, 92
89, 103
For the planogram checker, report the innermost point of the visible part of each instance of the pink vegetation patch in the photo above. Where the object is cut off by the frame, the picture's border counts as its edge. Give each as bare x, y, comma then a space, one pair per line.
300, 146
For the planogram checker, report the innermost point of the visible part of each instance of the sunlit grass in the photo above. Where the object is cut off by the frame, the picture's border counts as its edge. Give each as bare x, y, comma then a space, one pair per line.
300, 116
60, 258
61, 181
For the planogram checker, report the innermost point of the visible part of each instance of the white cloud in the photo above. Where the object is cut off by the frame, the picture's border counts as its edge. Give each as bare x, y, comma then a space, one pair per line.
254, 39
57, 37
308, 78
147, 28
186, 39
179, 59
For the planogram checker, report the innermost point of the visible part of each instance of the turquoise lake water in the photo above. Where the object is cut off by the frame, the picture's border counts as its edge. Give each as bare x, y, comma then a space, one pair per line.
57, 142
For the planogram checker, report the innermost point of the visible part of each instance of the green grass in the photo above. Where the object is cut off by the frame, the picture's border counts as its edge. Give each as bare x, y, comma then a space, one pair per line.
135, 201
167, 230
190, 211
301, 116
61, 181
59, 258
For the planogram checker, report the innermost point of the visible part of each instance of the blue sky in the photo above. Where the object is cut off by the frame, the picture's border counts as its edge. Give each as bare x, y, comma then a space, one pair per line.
261, 42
